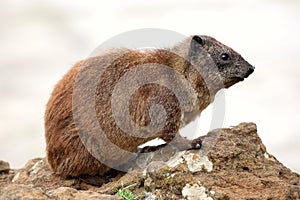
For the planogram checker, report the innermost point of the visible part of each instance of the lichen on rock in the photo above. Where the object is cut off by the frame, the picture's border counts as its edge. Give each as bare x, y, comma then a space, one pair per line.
195, 192
233, 164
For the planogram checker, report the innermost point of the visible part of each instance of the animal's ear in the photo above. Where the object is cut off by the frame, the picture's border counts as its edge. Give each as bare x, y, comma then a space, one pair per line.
197, 39
195, 46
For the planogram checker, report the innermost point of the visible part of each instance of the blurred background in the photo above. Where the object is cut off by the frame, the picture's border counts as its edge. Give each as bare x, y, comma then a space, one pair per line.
41, 40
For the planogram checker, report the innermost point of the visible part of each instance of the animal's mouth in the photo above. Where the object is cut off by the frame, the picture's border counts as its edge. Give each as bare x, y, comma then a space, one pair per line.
233, 81
238, 79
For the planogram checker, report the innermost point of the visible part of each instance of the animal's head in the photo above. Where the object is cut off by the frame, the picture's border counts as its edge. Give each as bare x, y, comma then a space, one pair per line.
231, 66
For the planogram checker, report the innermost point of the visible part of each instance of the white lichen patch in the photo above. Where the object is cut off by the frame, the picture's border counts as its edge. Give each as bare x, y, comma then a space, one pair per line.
144, 173
34, 169
194, 161
195, 192
149, 196
268, 157
16, 177
197, 163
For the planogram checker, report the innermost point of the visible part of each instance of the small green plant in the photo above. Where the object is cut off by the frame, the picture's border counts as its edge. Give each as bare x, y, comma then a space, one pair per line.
126, 194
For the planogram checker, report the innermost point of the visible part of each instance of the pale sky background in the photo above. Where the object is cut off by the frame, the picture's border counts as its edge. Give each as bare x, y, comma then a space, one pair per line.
40, 40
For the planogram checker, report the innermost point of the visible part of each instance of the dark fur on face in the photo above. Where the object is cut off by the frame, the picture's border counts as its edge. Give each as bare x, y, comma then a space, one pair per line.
231, 65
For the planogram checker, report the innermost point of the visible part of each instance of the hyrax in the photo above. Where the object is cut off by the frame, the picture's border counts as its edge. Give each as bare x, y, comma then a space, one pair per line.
197, 67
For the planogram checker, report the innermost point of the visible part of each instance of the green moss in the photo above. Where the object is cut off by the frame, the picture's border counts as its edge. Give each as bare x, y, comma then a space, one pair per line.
126, 194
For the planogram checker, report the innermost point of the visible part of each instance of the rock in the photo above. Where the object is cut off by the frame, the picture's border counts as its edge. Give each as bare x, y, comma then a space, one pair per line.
70, 193
20, 191
232, 164
4, 166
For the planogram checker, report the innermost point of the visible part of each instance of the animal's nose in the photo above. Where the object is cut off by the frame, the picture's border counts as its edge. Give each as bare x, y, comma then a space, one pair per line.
250, 71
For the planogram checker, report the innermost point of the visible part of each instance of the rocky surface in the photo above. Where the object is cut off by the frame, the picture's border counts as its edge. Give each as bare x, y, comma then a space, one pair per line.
232, 164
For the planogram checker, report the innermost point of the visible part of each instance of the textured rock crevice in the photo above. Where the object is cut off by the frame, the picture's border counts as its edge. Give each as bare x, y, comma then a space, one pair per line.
233, 164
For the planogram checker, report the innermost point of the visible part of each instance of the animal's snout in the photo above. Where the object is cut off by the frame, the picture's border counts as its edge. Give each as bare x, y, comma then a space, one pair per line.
250, 71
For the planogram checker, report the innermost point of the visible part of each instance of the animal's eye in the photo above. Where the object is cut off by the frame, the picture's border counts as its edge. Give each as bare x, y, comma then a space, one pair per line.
225, 57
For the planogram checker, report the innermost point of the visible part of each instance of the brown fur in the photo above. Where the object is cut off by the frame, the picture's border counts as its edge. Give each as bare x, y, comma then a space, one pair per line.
66, 153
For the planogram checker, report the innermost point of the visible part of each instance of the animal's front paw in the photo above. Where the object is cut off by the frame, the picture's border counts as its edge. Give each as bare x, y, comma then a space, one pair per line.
196, 143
